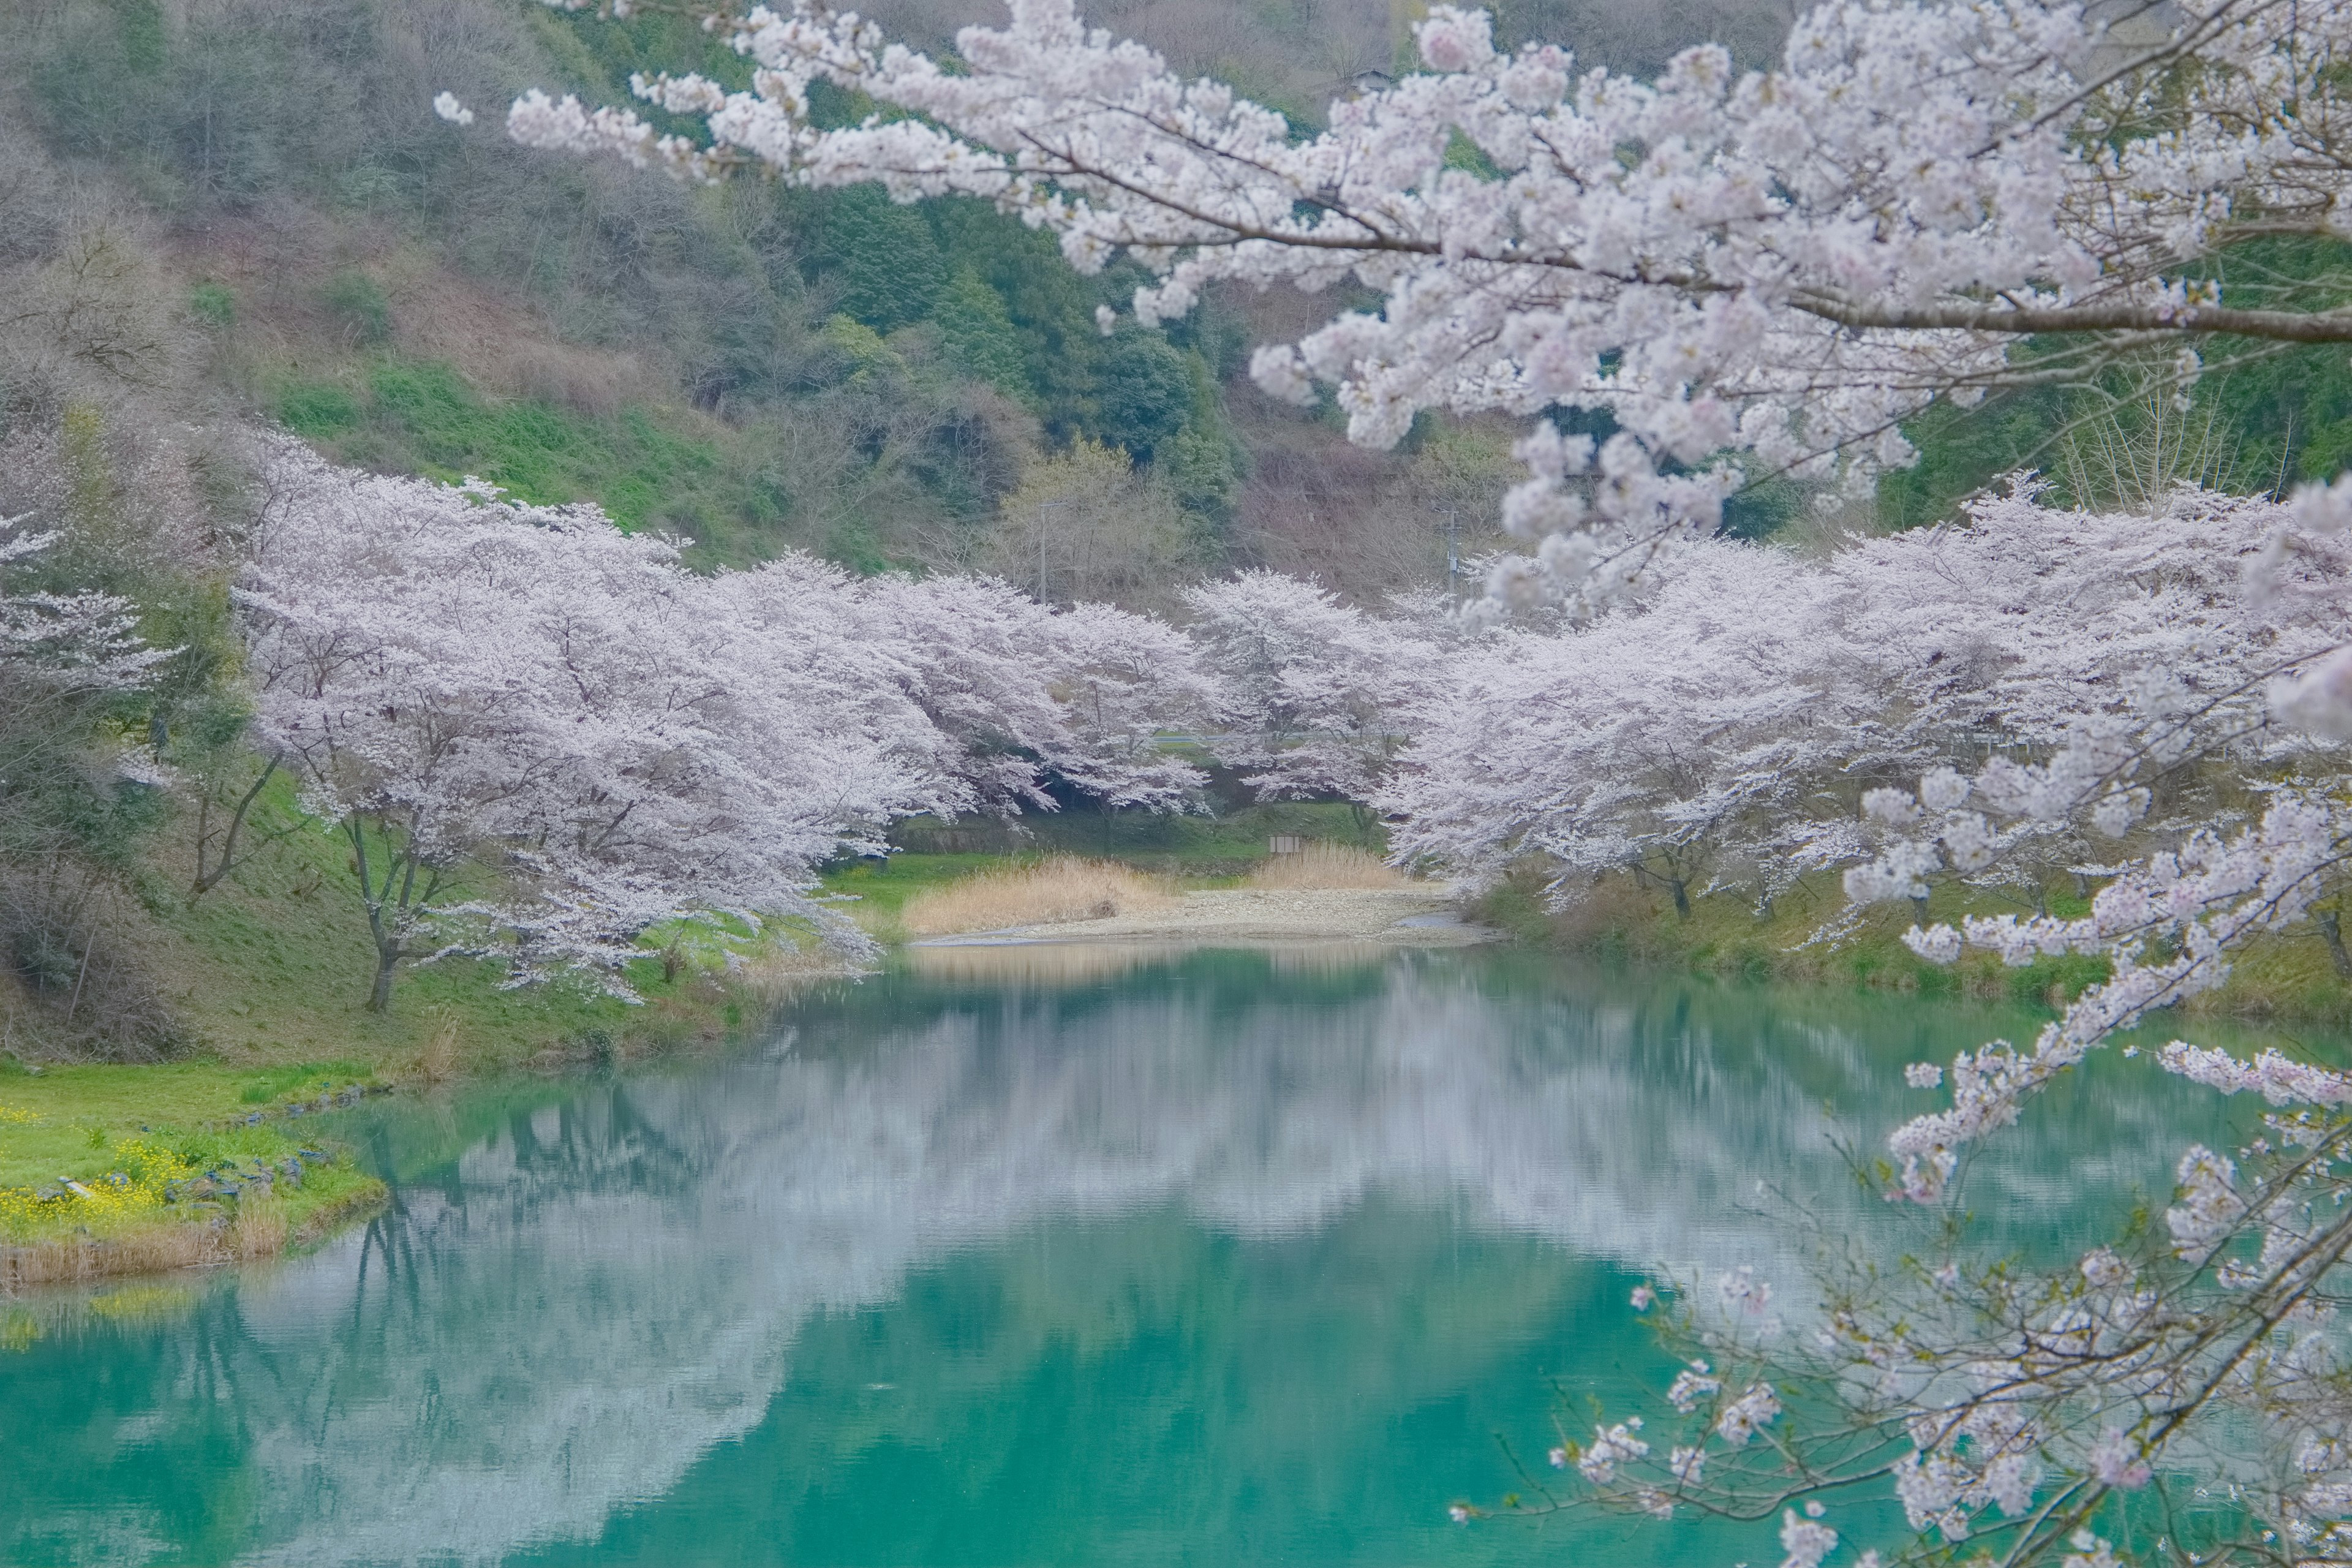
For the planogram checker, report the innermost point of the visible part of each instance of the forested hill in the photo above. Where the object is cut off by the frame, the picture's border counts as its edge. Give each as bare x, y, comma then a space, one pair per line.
245, 207
238, 208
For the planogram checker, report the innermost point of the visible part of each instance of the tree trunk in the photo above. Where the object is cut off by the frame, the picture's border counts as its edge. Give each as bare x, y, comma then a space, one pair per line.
1919, 912
2331, 926
387, 958
209, 876
1681, 896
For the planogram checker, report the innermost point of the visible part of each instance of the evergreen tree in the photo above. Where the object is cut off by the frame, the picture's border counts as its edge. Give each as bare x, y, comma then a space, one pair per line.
977, 334
883, 257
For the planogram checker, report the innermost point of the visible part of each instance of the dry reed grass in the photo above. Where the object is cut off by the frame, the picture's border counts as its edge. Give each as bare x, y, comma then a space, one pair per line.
1048, 893
438, 1062
1324, 866
261, 1229
71, 1261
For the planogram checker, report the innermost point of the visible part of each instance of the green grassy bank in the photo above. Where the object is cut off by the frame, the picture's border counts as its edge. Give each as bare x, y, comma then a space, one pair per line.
2290, 977
122, 1166
113, 1166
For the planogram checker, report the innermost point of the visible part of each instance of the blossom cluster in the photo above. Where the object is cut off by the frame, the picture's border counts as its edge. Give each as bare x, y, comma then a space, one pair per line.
75, 643
628, 742
1770, 268
1721, 726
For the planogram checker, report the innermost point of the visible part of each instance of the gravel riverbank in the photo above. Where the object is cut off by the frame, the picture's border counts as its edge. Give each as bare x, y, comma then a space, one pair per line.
1406, 917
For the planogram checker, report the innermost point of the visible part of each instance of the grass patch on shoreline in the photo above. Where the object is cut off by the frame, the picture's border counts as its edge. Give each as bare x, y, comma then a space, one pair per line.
876, 891
266, 976
2286, 976
79, 1198
1057, 888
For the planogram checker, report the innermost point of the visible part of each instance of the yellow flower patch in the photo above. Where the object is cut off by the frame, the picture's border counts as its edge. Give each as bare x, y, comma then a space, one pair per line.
142, 1171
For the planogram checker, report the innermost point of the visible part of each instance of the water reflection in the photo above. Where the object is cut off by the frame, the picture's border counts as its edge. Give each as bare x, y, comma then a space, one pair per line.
592, 1302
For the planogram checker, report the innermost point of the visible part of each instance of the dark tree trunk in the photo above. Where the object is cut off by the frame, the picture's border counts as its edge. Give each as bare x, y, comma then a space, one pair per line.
209, 876
2331, 926
387, 960
1681, 896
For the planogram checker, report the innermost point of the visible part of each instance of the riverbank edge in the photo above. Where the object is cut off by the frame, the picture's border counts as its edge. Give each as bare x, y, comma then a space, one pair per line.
1616, 919
1813, 939
179, 1244
1243, 917
722, 1009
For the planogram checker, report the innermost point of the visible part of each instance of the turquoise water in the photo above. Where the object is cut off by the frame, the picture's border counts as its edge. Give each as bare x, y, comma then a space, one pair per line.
1025, 1256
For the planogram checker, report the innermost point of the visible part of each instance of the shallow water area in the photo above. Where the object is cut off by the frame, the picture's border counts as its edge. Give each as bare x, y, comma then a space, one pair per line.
1015, 1254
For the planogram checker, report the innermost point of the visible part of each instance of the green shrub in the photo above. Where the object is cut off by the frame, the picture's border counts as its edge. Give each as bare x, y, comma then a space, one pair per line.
317, 411
212, 304
358, 307
2069, 974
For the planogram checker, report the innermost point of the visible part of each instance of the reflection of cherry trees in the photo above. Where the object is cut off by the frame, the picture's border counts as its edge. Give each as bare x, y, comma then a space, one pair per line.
595, 1291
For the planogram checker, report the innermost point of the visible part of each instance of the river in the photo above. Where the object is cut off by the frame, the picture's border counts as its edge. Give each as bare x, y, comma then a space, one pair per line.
1103, 1257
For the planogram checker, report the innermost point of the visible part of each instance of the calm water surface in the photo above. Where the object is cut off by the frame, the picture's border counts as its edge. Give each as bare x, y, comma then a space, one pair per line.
1045, 1256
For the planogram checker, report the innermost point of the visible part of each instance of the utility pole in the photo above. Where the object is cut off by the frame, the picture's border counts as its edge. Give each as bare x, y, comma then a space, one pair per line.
1043, 509
1453, 546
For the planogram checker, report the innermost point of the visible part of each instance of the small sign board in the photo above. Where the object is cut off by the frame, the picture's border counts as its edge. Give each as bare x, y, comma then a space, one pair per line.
1286, 843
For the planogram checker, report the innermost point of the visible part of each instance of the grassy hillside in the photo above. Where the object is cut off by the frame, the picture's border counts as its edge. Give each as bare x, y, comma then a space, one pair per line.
753, 367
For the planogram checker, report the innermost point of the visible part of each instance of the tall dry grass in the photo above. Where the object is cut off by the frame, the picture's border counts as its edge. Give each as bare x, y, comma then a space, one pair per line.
1323, 866
70, 1260
1048, 893
262, 1229
438, 1062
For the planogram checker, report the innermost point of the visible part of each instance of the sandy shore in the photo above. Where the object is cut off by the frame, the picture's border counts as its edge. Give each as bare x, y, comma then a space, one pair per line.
1404, 917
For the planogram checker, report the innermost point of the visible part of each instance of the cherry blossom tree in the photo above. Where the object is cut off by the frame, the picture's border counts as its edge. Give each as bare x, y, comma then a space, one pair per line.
1680, 735
65, 658
1765, 272
77, 642
1316, 696
1023, 693
1735, 275
533, 727
542, 737
1124, 682
1735, 714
